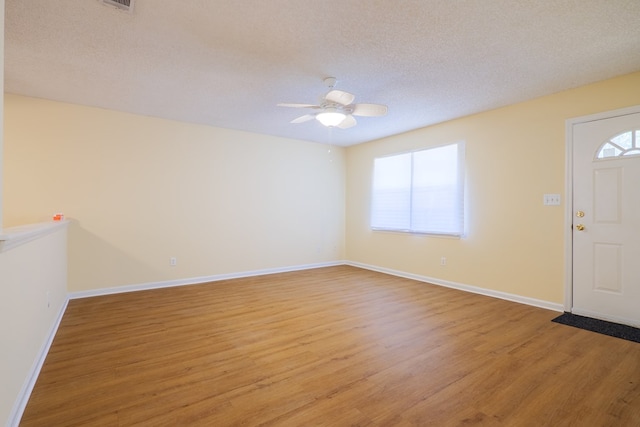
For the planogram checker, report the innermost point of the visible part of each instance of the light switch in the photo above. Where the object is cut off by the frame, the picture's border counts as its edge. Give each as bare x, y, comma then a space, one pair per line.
551, 199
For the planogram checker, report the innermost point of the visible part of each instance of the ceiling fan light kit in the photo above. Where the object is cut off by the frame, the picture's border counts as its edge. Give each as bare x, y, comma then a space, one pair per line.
330, 118
337, 108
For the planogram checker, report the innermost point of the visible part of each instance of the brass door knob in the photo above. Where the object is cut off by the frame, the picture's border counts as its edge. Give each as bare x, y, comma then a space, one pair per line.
580, 227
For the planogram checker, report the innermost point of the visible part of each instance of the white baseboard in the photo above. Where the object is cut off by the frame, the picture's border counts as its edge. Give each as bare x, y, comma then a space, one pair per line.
218, 277
196, 280
468, 288
27, 387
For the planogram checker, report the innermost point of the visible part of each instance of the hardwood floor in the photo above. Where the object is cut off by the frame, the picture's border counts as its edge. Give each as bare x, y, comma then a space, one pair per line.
336, 346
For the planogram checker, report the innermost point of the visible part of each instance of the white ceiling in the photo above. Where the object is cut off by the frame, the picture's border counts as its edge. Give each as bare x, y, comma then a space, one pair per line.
227, 63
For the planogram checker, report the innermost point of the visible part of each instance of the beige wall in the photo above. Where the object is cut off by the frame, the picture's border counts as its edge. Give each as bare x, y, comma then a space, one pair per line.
514, 155
142, 190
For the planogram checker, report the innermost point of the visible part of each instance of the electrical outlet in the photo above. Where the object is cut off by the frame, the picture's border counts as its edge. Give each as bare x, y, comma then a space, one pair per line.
173, 261
443, 261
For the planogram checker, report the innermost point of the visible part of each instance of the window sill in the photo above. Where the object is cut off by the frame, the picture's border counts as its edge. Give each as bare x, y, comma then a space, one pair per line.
418, 233
13, 237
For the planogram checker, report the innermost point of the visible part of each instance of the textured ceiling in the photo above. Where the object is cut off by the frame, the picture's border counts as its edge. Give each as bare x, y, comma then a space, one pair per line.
228, 63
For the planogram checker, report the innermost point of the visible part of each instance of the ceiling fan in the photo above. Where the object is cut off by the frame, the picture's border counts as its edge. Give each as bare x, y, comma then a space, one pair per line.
336, 108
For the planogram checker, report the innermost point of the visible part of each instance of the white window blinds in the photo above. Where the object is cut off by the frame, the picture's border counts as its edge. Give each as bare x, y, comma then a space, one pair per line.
420, 192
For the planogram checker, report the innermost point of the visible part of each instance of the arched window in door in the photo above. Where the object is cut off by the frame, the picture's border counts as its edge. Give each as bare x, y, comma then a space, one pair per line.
624, 144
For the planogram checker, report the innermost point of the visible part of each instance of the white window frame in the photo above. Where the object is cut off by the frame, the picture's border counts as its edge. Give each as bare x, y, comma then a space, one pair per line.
618, 149
455, 227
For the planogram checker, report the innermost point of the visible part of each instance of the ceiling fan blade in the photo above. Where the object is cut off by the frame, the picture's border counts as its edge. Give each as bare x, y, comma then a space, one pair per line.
348, 122
369, 110
304, 118
340, 97
298, 105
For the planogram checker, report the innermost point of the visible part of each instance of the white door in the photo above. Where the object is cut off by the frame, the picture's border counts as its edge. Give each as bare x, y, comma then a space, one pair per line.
606, 219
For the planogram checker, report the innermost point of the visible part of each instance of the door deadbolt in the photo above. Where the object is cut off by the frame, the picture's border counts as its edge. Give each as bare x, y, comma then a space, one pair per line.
579, 214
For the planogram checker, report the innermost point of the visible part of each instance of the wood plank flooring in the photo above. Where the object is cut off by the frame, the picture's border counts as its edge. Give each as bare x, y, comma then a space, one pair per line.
337, 346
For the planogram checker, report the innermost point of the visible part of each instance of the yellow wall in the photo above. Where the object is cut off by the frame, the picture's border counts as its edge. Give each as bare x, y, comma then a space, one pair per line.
514, 155
222, 201
143, 190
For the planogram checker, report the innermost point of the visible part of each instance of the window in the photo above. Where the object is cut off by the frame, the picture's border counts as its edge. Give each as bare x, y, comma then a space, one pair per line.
625, 144
420, 192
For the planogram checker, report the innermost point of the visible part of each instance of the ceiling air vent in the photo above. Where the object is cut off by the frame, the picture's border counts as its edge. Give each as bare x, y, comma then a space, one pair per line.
120, 4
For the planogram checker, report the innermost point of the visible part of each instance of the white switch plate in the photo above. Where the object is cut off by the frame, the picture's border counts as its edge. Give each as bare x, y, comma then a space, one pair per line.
551, 199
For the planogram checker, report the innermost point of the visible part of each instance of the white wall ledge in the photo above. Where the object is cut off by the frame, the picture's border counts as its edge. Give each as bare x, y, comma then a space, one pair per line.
13, 237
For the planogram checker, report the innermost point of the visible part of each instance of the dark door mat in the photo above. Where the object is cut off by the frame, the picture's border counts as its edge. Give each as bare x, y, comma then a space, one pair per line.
617, 330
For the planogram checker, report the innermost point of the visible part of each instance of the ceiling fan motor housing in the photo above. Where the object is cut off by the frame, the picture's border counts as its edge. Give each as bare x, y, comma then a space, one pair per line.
337, 108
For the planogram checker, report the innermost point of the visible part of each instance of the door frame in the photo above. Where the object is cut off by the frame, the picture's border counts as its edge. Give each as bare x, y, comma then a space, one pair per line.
568, 191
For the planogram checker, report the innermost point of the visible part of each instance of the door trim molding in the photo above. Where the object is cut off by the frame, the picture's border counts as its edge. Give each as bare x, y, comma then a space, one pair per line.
568, 191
